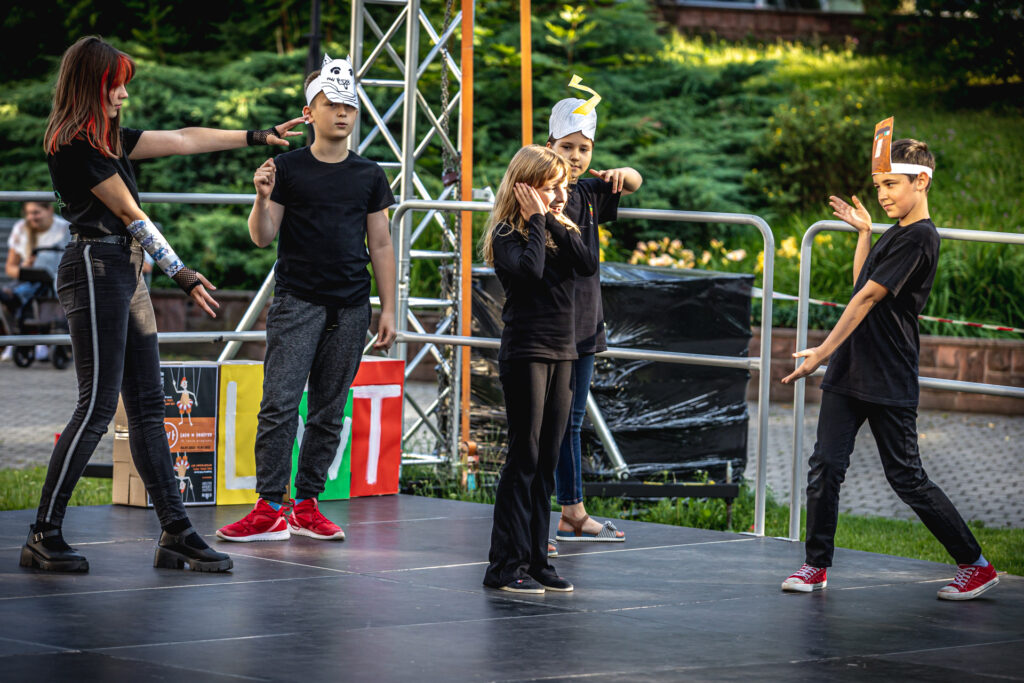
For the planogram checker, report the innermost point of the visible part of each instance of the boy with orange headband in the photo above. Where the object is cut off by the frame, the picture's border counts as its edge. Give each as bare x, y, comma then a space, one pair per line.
872, 373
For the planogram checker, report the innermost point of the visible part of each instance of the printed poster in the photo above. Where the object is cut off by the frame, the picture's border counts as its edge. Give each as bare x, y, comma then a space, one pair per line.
190, 423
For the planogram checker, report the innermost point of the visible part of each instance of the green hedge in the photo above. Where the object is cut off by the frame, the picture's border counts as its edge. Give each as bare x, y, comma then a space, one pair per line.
770, 129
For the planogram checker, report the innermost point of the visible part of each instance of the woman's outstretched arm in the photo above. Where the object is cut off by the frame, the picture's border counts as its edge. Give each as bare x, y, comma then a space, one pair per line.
164, 143
115, 196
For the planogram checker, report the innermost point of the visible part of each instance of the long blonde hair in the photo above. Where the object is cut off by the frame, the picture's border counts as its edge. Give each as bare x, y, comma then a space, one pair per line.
534, 165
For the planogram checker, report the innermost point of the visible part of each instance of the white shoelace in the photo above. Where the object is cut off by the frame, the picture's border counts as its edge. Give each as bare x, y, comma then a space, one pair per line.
805, 571
963, 575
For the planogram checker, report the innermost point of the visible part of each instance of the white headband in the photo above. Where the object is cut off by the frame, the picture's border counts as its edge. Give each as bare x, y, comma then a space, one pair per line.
336, 81
575, 115
911, 169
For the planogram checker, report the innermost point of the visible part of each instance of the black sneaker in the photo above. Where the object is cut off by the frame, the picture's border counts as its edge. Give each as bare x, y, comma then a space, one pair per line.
526, 585
553, 582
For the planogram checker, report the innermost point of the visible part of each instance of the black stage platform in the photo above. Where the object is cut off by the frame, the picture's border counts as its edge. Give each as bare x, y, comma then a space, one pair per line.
401, 600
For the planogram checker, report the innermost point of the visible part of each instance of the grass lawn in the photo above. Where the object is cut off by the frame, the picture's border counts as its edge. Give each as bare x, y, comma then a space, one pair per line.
19, 489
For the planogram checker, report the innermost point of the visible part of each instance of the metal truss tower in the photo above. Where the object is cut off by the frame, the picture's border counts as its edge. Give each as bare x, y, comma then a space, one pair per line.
410, 88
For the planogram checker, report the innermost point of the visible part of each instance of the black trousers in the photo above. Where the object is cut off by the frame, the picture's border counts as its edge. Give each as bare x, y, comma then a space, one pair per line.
113, 336
538, 400
895, 431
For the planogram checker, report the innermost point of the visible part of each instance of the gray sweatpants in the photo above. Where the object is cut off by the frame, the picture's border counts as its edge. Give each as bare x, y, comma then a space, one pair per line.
302, 344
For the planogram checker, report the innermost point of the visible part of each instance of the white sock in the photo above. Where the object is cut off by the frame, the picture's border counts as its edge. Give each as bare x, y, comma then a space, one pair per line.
980, 562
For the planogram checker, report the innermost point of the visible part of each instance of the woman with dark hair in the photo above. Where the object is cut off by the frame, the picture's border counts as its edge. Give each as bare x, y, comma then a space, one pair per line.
100, 285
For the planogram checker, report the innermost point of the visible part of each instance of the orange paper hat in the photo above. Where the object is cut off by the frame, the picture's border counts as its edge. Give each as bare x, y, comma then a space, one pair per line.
881, 153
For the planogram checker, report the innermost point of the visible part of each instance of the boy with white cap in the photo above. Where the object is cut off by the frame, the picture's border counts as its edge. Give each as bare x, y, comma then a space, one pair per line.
572, 132
330, 207
872, 373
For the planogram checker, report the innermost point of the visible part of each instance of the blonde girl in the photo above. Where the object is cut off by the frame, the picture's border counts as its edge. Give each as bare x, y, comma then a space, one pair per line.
537, 255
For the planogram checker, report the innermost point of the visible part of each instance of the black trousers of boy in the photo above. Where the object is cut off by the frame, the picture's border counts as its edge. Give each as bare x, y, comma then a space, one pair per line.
306, 342
538, 399
895, 431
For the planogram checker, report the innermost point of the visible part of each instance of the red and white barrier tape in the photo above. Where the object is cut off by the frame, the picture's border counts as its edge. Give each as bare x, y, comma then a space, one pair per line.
758, 293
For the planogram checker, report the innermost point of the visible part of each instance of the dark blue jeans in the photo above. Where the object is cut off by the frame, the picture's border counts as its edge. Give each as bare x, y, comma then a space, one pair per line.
113, 336
569, 472
895, 432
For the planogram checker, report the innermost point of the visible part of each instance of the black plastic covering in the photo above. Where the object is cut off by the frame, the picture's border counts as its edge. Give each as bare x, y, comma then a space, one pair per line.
669, 420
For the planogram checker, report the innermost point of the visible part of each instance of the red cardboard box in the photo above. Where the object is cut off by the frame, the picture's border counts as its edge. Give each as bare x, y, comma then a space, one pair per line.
377, 426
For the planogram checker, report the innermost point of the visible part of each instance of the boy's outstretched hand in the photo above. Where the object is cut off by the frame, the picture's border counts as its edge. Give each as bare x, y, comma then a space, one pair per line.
813, 360
616, 177
855, 215
286, 132
264, 178
385, 332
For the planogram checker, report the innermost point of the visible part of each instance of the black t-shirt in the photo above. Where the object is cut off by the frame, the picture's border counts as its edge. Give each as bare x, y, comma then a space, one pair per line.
591, 202
78, 167
539, 289
878, 362
321, 253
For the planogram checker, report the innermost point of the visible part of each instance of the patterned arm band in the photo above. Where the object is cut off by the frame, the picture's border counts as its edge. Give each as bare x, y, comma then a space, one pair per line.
259, 137
147, 235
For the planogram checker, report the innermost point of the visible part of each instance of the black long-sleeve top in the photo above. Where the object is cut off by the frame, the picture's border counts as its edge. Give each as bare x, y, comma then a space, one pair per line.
539, 288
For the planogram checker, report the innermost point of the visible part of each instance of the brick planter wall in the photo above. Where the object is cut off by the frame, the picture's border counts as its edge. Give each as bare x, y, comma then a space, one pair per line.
992, 361
765, 24
177, 313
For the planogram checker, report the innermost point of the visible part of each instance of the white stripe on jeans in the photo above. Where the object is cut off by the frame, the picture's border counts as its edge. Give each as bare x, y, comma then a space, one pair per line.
87, 257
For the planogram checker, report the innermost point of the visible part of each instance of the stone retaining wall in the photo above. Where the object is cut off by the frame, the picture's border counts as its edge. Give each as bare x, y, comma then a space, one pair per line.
992, 361
763, 24
176, 313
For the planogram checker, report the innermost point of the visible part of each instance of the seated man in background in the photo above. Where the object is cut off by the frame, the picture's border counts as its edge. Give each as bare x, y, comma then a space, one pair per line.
36, 241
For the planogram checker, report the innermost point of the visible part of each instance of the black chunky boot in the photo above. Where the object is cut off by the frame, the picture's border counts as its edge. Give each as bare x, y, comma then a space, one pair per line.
48, 551
174, 551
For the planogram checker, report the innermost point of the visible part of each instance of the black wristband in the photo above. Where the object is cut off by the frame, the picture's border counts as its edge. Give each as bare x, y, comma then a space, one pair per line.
259, 137
187, 279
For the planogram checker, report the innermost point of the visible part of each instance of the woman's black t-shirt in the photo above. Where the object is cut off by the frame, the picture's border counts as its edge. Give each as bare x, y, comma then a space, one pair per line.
591, 202
321, 250
78, 167
878, 362
539, 288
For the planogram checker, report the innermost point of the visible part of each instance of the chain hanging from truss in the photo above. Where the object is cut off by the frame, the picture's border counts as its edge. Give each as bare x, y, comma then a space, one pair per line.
450, 164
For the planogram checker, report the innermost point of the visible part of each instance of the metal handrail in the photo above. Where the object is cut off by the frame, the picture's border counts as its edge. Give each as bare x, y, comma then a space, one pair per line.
763, 363
803, 296
403, 252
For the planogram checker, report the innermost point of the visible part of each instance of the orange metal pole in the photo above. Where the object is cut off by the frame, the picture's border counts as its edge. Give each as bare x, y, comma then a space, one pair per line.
466, 236
526, 69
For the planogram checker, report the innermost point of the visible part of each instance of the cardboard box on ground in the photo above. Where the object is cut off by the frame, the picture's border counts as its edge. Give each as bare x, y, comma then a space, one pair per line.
368, 459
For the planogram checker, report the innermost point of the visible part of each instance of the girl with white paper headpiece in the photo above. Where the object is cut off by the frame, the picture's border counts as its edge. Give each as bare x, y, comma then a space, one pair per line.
592, 200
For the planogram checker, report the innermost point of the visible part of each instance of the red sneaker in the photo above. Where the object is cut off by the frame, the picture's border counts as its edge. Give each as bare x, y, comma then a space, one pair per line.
305, 519
970, 582
806, 579
263, 523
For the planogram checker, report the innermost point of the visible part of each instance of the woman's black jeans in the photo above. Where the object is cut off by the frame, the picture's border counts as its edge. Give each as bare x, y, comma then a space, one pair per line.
113, 336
